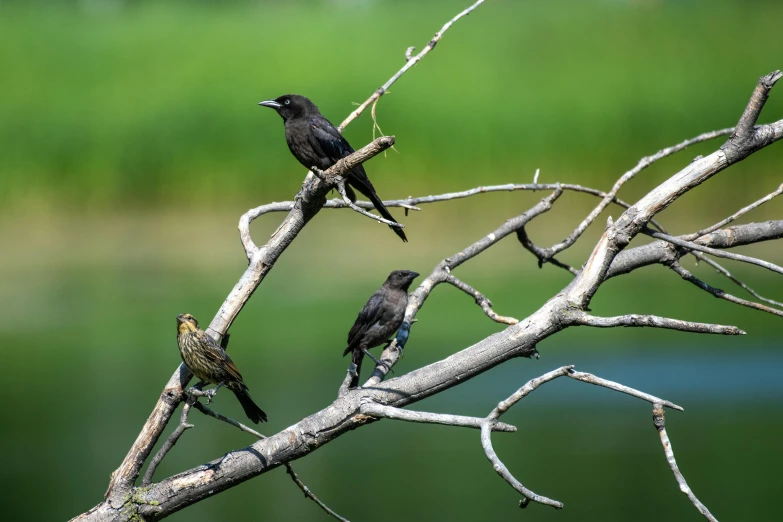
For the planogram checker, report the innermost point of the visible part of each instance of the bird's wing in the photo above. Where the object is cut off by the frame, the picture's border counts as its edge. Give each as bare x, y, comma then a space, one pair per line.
370, 314
219, 356
327, 138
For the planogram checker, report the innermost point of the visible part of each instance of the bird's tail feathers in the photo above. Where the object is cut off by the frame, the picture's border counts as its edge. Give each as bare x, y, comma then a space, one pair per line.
369, 193
253, 412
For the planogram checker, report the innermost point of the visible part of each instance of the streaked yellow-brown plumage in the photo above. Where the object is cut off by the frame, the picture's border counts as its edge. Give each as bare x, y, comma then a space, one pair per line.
209, 362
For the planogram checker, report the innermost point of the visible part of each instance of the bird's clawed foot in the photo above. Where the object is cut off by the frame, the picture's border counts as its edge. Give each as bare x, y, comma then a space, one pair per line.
210, 394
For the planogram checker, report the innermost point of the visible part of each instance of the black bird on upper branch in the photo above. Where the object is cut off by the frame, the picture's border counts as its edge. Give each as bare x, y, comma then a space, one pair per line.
379, 319
209, 362
315, 142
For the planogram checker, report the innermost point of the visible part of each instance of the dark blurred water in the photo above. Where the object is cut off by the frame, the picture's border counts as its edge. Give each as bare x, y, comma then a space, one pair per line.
90, 353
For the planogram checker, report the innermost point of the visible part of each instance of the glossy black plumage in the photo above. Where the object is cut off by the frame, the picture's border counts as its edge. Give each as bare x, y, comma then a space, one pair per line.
380, 318
315, 142
209, 362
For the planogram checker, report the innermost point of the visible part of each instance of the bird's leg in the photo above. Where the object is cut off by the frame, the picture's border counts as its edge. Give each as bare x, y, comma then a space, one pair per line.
196, 390
211, 393
377, 361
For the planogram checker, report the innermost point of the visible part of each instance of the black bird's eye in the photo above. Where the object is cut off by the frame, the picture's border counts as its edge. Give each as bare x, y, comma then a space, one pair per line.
287, 101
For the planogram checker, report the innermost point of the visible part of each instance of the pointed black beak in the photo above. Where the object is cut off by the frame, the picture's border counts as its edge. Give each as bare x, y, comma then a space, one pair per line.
413, 275
272, 104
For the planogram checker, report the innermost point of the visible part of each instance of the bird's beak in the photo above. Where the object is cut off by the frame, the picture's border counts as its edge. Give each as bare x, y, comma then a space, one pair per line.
413, 275
272, 104
180, 319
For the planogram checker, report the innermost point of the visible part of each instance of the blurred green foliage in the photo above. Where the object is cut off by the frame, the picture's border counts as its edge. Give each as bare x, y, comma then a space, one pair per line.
130, 143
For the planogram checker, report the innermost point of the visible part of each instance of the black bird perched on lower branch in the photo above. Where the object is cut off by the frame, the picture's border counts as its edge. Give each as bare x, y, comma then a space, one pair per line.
381, 316
315, 142
209, 362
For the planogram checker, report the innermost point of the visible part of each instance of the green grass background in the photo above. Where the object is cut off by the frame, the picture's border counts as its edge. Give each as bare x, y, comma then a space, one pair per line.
130, 144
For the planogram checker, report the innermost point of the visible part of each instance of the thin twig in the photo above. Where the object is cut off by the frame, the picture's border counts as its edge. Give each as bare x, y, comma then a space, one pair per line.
312, 190
640, 166
598, 381
541, 254
712, 251
524, 391
307, 493
379, 411
170, 441
655, 322
736, 215
720, 294
502, 470
757, 100
347, 200
391, 354
481, 300
660, 424
726, 273
409, 62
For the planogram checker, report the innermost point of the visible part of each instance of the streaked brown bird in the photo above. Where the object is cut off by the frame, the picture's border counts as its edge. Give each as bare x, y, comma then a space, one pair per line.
209, 362
380, 318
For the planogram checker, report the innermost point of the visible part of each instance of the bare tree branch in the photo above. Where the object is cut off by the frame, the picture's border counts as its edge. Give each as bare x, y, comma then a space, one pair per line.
714, 252
527, 389
170, 442
347, 200
288, 468
598, 381
309, 200
665, 253
746, 137
391, 354
741, 212
655, 322
505, 474
540, 253
660, 425
643, 164
410, 61
481, 300
566, 308
380, 411
720, 294
723, 271
262, 259
309, 494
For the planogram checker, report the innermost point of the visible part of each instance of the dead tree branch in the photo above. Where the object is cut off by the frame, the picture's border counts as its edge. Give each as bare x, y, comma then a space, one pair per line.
714, 252
262, 259
655, 322
380, 411
660, 424
611, 195
481, 300
410, 61
503, 406
567, 308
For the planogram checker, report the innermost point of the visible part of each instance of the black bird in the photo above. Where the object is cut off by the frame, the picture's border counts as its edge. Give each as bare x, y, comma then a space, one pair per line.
379, 319
209, 362
315, 142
